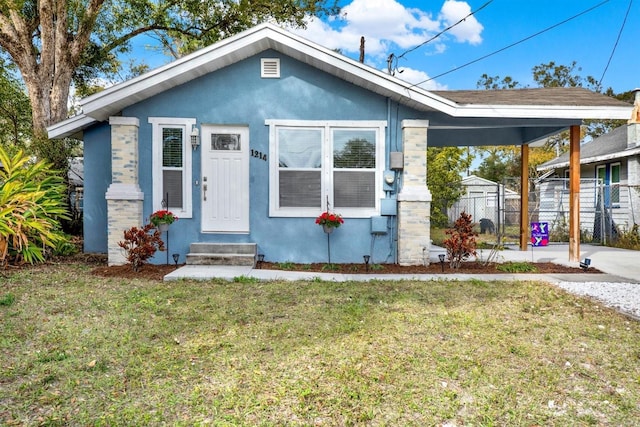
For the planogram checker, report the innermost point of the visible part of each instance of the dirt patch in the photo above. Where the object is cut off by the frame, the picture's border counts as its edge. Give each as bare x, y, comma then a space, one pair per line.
157, 272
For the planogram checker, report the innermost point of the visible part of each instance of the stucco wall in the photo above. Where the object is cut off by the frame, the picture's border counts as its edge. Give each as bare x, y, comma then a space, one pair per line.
237, 95
97, 177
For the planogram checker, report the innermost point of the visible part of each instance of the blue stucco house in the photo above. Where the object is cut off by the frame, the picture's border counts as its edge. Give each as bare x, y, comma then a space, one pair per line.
248, 140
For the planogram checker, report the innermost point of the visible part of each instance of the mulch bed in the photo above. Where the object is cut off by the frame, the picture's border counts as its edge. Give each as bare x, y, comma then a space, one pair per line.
157, 272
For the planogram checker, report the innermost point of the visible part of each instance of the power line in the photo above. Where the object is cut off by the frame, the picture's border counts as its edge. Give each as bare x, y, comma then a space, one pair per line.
616, 43
446, 29
513, 44
393, 56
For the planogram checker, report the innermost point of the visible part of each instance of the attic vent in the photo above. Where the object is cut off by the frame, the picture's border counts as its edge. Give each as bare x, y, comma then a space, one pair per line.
270, 68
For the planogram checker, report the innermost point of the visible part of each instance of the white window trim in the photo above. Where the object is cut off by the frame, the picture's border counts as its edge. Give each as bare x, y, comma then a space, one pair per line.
156, 155
616, 184
327, 180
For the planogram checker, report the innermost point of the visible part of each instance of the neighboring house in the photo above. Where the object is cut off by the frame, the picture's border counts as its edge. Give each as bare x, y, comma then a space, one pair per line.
250, 139
485, 199
609, 184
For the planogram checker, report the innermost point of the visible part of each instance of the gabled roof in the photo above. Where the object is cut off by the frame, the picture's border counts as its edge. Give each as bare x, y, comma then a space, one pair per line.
534, 103
610, 146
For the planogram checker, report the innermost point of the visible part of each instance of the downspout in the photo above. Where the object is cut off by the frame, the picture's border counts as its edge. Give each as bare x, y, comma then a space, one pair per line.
393, 233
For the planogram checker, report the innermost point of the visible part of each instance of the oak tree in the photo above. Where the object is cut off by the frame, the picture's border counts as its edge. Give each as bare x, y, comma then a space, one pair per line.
53, 42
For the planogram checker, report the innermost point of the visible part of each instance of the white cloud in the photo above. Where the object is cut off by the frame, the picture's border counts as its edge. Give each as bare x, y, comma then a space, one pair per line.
467, 31
389, 27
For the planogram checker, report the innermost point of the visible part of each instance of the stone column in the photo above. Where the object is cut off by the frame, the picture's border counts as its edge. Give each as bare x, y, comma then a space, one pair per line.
124, 197
414, 198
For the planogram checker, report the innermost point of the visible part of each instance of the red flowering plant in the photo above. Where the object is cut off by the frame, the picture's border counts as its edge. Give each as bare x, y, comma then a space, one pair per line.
331, 220
162, 217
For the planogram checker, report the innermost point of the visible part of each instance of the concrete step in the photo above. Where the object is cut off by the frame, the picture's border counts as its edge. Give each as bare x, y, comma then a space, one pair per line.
223, 248
222, 254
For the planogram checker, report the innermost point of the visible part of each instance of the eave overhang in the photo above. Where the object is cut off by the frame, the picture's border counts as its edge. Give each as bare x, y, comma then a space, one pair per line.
99, 107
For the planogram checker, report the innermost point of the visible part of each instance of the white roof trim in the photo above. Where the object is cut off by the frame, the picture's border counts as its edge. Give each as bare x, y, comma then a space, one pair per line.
543, 111
594, 159
70, 127
267, 36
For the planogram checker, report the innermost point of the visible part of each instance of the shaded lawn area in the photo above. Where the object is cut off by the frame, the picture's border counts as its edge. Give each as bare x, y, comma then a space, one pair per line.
76, 349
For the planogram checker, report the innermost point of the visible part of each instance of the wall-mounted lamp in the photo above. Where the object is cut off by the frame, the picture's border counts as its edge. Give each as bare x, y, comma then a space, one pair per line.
441, 258
195, 138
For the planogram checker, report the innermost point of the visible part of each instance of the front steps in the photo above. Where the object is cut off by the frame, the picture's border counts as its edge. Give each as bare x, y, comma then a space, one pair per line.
222, 254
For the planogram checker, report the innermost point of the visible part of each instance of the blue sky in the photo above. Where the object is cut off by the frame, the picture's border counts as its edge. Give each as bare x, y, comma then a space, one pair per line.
391, 26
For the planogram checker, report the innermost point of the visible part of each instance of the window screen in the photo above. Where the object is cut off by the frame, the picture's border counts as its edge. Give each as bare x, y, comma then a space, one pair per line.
172, 163
172, 147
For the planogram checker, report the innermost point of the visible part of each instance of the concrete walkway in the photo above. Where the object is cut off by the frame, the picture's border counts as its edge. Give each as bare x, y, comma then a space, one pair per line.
617, 265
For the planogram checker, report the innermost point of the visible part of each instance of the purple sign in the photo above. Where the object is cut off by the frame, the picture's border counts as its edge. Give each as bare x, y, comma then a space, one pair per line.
539, 233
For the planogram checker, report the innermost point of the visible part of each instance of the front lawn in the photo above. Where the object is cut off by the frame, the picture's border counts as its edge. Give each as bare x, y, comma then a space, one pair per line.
77, 349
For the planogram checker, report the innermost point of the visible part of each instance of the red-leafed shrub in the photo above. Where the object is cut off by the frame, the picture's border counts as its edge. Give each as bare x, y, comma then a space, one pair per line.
140, 244
461, 243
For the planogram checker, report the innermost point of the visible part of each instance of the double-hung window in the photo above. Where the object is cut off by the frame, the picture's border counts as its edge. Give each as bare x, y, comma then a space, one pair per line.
171, 155
320, 165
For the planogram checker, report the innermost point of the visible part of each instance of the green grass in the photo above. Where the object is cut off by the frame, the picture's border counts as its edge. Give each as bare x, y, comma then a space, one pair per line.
517, 267
82, 350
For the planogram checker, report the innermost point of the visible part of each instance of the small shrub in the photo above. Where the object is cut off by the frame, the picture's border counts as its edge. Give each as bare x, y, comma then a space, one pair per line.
461, 243
330, 267
65, 249
628, 238
287, 265
140, 244
560, 231
517, 267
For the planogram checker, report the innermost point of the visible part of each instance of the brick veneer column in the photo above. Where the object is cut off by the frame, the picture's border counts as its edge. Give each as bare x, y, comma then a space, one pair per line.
414, 199
124, 197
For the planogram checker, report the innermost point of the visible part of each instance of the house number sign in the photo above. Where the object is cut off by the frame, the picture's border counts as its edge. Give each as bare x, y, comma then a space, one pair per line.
259, 155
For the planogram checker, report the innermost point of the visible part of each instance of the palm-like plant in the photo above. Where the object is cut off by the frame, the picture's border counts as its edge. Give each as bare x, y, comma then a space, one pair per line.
31, 204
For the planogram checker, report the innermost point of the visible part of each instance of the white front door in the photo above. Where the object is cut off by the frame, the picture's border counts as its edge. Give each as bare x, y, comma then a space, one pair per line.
225, 179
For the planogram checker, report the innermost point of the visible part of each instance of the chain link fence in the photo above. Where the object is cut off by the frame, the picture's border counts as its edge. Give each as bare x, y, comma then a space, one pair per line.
605, 210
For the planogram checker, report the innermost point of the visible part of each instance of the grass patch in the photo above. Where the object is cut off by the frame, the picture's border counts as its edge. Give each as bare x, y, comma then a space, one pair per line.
85, 350
7, 300
517, 267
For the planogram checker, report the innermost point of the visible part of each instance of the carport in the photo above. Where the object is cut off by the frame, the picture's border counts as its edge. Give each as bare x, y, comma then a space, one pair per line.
525, 118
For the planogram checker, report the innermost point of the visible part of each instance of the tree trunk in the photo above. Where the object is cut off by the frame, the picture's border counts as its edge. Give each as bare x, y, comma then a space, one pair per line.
47, 48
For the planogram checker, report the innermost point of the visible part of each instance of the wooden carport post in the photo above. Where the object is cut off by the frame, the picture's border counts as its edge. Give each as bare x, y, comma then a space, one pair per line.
574, 193
524, 196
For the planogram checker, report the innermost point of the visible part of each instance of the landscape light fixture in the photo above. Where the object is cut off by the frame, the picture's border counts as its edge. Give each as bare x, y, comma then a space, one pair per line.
366, 261
176, 257
441, 258
260, 260
585, 264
